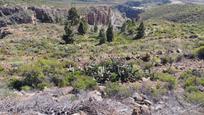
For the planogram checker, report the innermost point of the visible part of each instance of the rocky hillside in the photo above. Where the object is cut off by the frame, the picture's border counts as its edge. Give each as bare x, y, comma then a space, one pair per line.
101, 58
33, 15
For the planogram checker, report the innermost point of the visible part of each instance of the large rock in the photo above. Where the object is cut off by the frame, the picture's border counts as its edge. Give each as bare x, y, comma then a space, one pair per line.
49, 15
103, 16
23, 15
5, 11
14, 15
100, 15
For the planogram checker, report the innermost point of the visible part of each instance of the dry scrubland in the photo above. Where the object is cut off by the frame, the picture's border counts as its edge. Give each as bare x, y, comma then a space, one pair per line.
39, 73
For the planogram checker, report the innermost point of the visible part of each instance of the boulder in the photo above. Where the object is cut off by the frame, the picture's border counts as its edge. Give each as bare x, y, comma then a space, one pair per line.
145, 110
137, 97
95, 96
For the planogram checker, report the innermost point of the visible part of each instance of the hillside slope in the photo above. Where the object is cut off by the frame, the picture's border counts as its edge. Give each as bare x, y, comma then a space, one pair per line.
177, 13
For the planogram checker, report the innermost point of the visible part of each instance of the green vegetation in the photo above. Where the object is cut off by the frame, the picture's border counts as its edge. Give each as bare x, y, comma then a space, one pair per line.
102, 36
110, 33
200, 52
188, 13
35, 59
68, 36
165, 77
95, 28
1, 69
117, 90
192, 80
46, 73
83, 27
141, 31
114, 71
73, 16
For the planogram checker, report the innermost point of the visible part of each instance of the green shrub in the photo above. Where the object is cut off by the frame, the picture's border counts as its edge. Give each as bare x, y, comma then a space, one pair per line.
113, 89
192, 78
201, 81
200, 52
191, 89
83, 27
40, 74
186, 75
110, 33
113, 71
165, 77
191, 81
16, 83
195, 97
1, 69
102, 36
26, 88
158, 91
83, 82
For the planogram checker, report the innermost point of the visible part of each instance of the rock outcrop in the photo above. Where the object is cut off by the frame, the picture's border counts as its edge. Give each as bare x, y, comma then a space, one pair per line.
100, 15
49, 15
23, 15
103, 16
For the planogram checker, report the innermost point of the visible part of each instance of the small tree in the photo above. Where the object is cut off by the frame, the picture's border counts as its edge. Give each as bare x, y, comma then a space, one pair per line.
68, 36
124, 27
73, 16
110, 33
141, 31
95, 28
83, 27
102, 36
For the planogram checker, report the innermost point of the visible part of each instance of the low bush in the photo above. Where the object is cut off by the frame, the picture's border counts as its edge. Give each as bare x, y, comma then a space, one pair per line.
113, 71
47, 73
195, 97
158, 91
114, 89
1, 69
191, 81
165, 77
192, 78
200, 52
83, 82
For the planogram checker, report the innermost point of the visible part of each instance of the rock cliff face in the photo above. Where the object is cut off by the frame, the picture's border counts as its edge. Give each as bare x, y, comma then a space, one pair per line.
22, 15
13, 15
99, 15
103, 16
48, 15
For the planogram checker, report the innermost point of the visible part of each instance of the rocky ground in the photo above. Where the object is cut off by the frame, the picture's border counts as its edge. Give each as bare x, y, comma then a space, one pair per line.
64, 101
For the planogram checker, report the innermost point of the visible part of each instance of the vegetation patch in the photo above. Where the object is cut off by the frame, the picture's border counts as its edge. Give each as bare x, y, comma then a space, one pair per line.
165, 77
193, 82
46, 73
200, 52
114, 71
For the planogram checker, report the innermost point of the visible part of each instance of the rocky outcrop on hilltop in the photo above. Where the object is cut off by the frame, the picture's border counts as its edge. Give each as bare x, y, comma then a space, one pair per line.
23, 15
49, 15
14, 15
